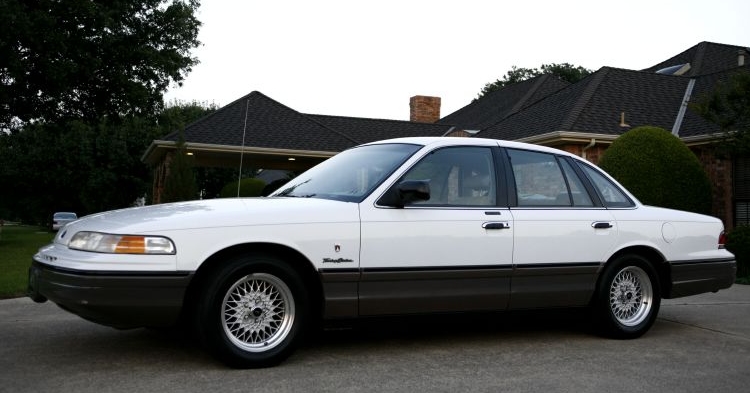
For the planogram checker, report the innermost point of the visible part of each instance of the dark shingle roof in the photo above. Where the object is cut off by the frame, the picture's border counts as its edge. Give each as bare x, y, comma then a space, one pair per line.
269, 124
370, 130
594, 105
537, 106
704, 58
502, 103
273, 125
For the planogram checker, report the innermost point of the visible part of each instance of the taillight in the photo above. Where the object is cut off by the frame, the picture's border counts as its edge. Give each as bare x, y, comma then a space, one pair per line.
722, 239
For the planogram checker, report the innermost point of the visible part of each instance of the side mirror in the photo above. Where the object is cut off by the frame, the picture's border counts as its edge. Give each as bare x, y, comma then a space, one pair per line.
406, 192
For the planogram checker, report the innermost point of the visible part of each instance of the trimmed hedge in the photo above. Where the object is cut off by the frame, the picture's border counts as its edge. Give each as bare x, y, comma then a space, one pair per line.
659, 170
250, 187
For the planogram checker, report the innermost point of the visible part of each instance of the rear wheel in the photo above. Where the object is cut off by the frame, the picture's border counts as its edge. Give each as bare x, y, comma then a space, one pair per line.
252, 312
627, 299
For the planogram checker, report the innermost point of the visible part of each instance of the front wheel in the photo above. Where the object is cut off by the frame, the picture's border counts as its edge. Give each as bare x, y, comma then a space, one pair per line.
627, 300
252, 312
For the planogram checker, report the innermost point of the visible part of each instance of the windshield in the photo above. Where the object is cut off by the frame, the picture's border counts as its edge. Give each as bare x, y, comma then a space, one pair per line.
350, 175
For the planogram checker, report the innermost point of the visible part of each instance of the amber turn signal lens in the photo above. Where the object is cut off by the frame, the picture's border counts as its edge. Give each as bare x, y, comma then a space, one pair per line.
131, 245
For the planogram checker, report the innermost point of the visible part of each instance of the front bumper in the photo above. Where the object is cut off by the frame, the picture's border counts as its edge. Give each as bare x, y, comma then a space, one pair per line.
117, 299
694, 277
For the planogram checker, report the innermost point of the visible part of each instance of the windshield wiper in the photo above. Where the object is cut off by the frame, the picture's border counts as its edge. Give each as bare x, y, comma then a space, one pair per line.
290, 190
289, 195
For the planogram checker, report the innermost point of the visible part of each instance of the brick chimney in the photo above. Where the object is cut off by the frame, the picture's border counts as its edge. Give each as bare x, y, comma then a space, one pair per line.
424, 109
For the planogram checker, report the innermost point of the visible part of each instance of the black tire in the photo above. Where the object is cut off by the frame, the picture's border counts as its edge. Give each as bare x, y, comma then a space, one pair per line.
251, 312
628, 297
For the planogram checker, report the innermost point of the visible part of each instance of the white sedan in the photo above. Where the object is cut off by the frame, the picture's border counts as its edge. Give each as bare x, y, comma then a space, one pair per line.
403, 226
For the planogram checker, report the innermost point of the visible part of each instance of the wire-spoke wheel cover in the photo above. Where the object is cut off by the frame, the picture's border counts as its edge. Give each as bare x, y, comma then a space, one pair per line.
631, 296
258, 312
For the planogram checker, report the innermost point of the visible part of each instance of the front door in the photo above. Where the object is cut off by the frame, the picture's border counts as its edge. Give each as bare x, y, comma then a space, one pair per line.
452, 252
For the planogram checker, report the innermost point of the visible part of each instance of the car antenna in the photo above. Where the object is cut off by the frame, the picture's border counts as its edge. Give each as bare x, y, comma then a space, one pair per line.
242, 152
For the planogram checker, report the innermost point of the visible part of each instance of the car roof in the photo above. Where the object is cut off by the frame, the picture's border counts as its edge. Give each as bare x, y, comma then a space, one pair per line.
463, 141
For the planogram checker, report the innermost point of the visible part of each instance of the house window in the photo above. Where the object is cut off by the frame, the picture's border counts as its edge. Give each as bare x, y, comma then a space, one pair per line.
742, 191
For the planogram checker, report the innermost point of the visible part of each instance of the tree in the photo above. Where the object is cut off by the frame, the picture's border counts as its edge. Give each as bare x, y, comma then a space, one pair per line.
73, 166
729, 107
564, 71
659, 169
80, 167
84, 59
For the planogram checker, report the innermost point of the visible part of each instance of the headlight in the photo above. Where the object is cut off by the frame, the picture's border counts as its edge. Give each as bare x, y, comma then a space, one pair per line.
121, 244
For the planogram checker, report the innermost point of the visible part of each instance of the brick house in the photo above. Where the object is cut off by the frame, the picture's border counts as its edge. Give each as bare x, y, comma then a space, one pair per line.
583, 118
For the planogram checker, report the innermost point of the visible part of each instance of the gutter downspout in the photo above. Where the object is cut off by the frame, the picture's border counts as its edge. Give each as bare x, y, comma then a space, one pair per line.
589, 146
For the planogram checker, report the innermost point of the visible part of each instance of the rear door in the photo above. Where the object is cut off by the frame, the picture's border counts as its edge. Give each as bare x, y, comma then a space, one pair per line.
563, 233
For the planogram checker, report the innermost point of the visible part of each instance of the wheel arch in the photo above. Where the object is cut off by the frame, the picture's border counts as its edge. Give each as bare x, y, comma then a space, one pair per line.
654, 257
294, 258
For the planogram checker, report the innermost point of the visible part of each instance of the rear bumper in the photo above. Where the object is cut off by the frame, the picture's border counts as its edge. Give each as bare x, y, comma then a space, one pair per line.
694, 277
121, 300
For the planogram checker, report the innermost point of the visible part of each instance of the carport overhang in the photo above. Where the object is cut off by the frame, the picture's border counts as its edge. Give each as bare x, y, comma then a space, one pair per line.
226, 156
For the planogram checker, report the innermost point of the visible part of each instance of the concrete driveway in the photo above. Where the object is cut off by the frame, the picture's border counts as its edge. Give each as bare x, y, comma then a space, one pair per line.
698, 344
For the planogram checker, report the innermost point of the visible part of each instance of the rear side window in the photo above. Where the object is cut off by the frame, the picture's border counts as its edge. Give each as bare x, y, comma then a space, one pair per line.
608, 191
542, 180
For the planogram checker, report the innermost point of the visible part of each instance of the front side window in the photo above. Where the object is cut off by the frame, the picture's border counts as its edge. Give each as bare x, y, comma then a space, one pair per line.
458, 176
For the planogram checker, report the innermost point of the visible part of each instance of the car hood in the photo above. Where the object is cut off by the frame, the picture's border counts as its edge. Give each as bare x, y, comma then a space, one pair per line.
216, 213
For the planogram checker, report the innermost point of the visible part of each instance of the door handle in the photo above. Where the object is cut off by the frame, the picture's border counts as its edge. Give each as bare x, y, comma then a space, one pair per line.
602, 225
496, 225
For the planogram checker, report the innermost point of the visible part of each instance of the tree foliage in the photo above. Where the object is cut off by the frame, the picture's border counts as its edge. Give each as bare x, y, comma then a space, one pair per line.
659, 170
84, 59
73, 166
80, 167
564, 71
729, 107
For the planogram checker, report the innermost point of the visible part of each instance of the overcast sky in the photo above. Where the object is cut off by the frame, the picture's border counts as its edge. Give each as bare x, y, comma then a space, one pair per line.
366, 58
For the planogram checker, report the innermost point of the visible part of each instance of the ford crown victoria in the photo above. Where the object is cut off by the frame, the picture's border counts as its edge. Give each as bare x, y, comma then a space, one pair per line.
403, 226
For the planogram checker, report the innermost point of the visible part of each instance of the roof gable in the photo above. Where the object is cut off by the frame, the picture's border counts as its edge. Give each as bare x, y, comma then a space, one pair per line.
265, 123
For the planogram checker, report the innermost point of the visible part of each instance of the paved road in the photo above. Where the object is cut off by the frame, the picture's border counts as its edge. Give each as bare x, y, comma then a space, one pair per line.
698, 344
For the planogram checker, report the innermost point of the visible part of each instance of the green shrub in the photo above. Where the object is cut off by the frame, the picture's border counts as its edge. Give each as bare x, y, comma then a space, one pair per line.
738, 243
250, 187
659, 170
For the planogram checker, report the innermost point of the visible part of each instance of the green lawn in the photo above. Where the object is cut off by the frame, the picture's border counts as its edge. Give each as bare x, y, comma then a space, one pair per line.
17, 245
